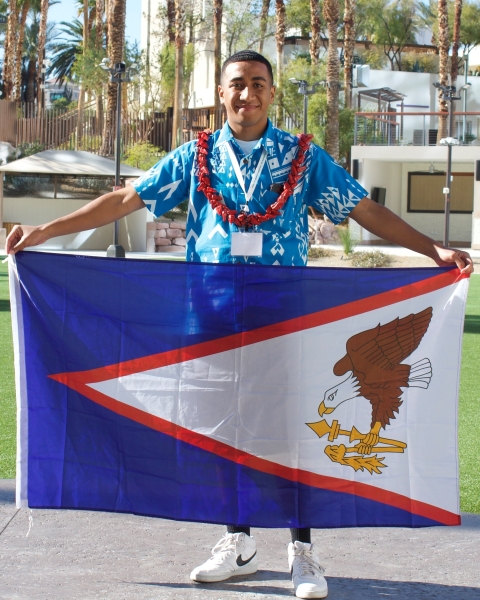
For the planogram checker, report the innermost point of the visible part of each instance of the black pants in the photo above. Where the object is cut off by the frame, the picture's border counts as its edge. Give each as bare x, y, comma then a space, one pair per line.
298, 535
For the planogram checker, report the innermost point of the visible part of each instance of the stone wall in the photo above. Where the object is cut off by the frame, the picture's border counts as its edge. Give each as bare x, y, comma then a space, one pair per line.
166, 236
322, 231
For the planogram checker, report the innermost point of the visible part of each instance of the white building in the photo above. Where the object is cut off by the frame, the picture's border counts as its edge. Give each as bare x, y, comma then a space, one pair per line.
389, 168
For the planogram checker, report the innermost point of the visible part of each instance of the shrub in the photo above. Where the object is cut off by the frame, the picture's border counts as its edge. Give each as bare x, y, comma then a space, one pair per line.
319, 253
368, 260
347, 240
419, 63
143, 155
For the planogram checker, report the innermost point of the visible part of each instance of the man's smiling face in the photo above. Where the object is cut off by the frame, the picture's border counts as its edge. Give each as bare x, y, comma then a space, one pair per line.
246, 90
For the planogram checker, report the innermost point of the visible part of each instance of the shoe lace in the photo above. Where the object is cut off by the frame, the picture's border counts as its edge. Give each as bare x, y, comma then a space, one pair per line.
309, 564
225, 545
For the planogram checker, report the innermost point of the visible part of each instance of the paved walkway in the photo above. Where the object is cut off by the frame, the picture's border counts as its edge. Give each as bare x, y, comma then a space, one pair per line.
87, 555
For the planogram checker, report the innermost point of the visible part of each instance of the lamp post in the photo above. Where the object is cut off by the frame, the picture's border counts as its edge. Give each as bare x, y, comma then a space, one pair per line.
464, 89
305, 90
450, 141
119, 74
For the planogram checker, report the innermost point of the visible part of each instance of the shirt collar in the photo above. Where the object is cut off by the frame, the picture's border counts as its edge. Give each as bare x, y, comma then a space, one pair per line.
226, 135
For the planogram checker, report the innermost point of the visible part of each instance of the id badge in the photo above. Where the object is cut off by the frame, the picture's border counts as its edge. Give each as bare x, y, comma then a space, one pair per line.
245, 243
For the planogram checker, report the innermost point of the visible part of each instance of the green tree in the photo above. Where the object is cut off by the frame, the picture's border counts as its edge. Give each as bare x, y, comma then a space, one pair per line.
143, 155
393, 25
242, 26
165, 67
298, 16
470, 27
65, 50
300, 67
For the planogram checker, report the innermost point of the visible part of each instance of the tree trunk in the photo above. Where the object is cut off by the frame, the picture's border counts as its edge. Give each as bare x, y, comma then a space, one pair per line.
17, 77
348, 49
31, 76
456, 41
171, 11
280, 39
42, 39
443, 47
115, 49
81, 96
10, 48
99, 13
315, 40
177, 124
331, 14
217, 53
263, 24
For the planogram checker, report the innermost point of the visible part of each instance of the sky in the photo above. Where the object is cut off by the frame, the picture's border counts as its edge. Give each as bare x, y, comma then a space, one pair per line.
67, 10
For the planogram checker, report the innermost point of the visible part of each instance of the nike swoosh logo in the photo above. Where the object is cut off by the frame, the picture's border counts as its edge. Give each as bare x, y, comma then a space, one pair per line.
241, 562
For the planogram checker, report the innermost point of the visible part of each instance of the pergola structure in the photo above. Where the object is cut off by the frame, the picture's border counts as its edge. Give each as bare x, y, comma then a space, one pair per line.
64, 163
69, 164
383, 96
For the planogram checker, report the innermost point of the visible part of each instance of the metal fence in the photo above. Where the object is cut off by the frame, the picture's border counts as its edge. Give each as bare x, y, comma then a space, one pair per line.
412, 128
59, 129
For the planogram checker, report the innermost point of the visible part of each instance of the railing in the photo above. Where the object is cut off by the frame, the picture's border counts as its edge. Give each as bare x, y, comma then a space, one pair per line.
58, 129
412, 128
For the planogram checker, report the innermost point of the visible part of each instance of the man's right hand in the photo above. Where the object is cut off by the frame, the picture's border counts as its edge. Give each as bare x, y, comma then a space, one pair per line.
24, 236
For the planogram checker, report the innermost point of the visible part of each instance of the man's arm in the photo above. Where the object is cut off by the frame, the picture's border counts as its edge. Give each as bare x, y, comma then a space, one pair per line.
383, 223
106, 209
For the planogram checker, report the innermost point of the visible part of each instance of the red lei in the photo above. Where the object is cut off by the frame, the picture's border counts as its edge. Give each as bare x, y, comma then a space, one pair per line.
242, 219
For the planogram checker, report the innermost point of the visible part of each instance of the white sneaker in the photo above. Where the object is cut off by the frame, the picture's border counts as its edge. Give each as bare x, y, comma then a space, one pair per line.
235, 554
307, 574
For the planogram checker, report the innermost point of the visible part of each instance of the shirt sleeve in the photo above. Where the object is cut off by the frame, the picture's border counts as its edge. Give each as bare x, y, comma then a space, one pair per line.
167, 183
330, 189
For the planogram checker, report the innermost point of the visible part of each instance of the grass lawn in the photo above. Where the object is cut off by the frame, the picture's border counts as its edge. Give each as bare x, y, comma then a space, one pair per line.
469, 413
7, 383
469, 410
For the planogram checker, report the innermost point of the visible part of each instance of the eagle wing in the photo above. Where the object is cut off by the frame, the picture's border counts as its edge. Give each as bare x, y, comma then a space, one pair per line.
385, 346
396, 340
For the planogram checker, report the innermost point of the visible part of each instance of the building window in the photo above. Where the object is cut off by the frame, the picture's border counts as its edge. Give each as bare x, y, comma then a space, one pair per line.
425, 192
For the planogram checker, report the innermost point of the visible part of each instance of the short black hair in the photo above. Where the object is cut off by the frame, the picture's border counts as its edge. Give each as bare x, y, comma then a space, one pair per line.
247, 55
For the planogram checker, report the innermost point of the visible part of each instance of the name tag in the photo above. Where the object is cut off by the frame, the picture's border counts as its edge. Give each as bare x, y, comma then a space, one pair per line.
245, 243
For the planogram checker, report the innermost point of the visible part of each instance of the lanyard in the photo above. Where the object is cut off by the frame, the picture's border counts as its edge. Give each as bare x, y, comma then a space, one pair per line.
238, 173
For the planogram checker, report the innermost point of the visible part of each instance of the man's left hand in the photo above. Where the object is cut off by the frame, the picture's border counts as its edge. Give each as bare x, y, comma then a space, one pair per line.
450, 256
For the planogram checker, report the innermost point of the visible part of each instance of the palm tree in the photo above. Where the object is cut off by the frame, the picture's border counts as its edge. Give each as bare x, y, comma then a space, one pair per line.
99, 14
263, 24
42, 38
178, 93
443, 47
331, 14
456, 40
217, 51
315, 40
348, 48
17, 70
280, 39
66, 50
81, 96
10, 48
115, 50
171, 21
30, 54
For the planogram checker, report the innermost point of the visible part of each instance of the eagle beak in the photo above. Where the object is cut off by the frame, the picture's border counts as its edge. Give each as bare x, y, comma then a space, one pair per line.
324, 410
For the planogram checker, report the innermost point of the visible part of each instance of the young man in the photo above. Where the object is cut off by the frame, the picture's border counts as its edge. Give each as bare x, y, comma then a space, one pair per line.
249, 187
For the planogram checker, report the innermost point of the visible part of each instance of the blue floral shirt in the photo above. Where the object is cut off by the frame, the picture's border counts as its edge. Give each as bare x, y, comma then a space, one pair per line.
325, 185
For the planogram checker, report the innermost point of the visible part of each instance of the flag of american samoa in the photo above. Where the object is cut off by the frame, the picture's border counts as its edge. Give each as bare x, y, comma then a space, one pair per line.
248, 395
